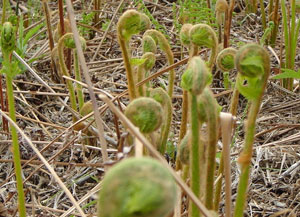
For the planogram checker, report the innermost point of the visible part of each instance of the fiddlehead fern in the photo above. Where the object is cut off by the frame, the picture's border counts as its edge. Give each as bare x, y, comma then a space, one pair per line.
193, 50
8, 38
253, 64
10, 70
210, 109
161, 96
163, 43
185, 35
131, 22
194, 80
148, 44
196, 76
143, 70
57, 31
67, 40
85, 110
225, 59
225, 62
221, 10
145, 113
70, 43
184, 150
204, 35
142, 187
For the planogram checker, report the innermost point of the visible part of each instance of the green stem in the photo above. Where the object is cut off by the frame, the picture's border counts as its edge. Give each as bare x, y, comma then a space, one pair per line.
291, 57
140, 76
65, 72
286, 37
245, 159
263, 14
80, 96
184, 118
16, 150
233, 111
271, 7
211, 110
295, 39
183, 124
195, 155
161, 40
129, 72
4, 3
212, 57
234, 101
164, 99
8, 46
130, 23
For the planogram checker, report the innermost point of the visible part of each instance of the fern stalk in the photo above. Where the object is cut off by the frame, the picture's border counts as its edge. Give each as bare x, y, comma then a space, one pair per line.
253, 64
16, 150
79, 92
7, 46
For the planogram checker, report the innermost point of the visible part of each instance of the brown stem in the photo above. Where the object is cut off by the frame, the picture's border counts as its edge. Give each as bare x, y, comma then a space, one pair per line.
54, 74
184, 117
97, 4
276, 22
61, 16
228, 19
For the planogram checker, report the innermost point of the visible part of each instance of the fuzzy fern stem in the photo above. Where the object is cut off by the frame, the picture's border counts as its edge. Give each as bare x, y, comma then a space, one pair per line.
253, 64
79, 92
194, 80
210, 111
64, 70
161, 96
163, 43
7, 46
131, 22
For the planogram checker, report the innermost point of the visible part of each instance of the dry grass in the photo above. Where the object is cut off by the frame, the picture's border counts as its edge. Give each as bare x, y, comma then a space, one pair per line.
275, 179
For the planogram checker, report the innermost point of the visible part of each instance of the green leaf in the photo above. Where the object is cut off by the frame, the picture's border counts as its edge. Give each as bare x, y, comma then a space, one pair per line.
187, 80
10, 68
137, 61
171, 149
32, 32
288, 73
249, 87
252, 66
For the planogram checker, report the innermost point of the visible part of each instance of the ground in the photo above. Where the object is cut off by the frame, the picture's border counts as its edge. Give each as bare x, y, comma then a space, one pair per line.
275, 179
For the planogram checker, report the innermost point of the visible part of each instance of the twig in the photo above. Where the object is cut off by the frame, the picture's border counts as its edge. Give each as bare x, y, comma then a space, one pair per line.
72, 164
84, 198
88, 81
106, 31
44, 83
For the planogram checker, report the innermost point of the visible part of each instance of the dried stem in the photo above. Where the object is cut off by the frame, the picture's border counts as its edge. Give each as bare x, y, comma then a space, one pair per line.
228, 18
50, 37
88, 81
